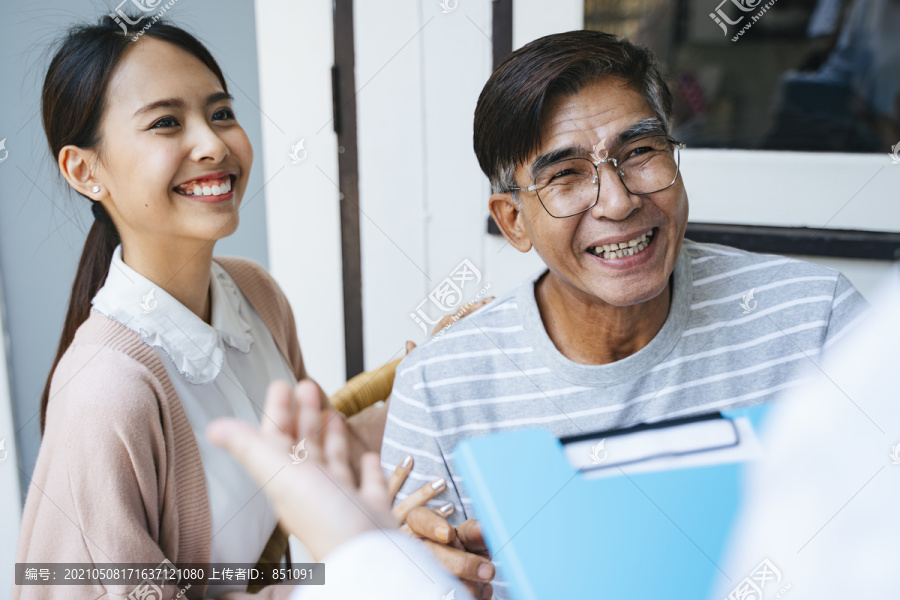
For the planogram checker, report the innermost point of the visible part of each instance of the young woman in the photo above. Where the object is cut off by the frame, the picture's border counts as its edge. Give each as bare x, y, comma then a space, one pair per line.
160, 337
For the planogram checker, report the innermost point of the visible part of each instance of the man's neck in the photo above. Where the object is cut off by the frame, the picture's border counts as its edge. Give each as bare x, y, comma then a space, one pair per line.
591, 332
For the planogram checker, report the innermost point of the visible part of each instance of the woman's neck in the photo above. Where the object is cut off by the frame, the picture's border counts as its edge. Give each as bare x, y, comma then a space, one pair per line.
182, 269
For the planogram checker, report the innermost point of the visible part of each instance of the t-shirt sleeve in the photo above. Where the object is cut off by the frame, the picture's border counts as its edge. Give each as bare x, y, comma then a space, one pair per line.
847, 307
411, 429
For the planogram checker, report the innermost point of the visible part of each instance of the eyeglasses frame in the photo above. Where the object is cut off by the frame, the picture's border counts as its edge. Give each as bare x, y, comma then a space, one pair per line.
615, 161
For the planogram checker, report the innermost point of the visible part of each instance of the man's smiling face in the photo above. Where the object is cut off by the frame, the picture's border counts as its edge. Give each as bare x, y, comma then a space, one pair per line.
594, 121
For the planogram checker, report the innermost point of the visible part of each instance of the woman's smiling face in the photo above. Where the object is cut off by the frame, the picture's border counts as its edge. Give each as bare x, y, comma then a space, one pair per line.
169, 133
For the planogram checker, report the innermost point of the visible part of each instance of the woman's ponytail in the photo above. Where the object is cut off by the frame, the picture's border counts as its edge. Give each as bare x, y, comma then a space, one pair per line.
101, 241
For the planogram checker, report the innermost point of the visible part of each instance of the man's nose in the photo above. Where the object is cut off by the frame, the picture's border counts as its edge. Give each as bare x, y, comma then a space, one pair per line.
615, 201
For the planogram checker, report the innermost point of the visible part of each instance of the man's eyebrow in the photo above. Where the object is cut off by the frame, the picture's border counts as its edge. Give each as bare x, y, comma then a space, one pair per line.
649, 126
180, 103
553, 155
644, 127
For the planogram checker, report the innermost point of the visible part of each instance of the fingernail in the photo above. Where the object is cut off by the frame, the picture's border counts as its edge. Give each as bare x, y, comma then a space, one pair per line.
406, 460
438, 484
443, 533
446, 509
486, 571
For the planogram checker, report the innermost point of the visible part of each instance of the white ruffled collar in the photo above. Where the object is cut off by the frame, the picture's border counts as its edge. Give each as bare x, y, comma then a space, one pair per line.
196, 349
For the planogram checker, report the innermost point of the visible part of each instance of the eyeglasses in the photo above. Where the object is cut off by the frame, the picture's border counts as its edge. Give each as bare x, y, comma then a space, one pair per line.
571, 186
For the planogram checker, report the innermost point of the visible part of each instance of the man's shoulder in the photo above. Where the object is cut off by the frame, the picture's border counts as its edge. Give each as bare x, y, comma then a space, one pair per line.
495, 327
718, 269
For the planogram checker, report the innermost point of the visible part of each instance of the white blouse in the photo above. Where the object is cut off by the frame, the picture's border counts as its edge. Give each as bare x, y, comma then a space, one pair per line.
218, 370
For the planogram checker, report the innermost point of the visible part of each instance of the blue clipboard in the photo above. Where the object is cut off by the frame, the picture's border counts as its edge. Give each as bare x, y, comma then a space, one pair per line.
555, 533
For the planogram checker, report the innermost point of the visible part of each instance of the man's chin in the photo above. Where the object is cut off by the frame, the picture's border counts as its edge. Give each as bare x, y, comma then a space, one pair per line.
620, 293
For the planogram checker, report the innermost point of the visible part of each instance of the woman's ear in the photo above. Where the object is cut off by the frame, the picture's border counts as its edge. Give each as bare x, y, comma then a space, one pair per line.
509, 217
75, 165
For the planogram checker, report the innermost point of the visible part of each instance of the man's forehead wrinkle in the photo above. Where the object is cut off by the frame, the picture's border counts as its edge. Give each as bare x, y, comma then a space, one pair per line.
568, 126
565, 129
566, 114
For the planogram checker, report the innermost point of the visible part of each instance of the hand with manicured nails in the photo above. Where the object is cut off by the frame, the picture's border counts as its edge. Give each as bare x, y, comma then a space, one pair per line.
417, 498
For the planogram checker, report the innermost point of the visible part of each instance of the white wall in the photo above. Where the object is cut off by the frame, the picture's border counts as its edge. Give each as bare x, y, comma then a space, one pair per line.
296, 52
391, 120
803, 189
536, 18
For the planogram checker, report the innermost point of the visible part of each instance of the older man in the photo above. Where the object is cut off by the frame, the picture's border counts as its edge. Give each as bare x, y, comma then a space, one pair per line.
629, 322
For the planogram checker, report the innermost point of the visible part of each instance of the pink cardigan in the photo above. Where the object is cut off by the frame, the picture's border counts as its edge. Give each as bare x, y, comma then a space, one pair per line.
118, 476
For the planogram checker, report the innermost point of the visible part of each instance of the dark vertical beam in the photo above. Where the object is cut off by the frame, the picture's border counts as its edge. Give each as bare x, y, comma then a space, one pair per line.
501, 42
344, 99
501, 34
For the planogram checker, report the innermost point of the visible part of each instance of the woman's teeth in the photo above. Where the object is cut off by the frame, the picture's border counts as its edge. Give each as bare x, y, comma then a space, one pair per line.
205, 187
629, 248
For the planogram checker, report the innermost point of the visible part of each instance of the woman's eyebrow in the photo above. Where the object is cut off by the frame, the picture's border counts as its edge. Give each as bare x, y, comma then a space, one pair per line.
180, 103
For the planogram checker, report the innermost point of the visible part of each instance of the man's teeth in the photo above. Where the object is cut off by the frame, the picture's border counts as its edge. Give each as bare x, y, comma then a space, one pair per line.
621, 250
206, 187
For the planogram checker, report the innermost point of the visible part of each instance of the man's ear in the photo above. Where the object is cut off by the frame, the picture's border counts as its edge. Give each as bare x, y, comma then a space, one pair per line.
510, 219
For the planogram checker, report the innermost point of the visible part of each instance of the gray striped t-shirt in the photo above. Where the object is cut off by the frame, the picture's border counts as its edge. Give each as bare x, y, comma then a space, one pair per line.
498, 370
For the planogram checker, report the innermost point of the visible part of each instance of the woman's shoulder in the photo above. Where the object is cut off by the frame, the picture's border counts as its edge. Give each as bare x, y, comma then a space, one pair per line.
105, 364
96, 389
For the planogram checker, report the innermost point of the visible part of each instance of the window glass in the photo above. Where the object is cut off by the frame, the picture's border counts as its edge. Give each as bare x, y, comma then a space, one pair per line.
820, 75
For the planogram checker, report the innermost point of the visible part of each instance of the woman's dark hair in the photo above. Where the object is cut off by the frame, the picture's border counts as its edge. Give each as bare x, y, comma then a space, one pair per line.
73, 101
510, 109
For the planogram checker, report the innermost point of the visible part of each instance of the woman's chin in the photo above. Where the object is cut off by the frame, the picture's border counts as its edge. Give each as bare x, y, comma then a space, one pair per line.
218, 227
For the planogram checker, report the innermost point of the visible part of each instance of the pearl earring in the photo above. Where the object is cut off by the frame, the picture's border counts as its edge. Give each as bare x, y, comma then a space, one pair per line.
96, 189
